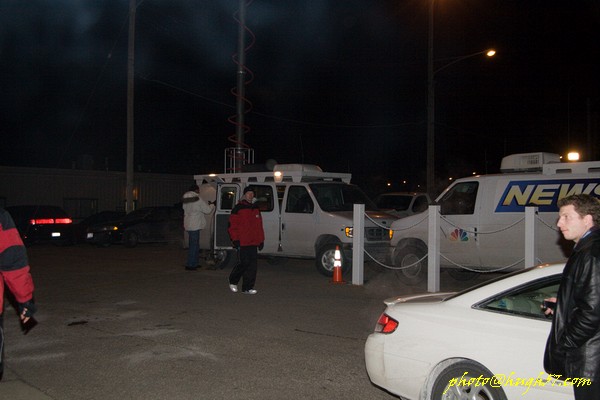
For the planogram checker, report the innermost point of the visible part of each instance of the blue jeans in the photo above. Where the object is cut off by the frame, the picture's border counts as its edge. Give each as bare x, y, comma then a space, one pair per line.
193, 249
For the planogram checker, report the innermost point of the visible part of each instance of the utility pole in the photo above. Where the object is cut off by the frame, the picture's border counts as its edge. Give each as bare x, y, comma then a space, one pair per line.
430, 108
241, 90
130, 79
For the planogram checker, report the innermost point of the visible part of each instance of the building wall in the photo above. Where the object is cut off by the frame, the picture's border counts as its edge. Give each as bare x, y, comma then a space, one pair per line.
83, 192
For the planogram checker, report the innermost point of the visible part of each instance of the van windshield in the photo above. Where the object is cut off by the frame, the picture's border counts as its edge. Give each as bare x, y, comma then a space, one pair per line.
340, 197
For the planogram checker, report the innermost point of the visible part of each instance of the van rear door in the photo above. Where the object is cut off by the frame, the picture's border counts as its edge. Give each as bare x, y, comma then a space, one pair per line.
265, 199
228, 194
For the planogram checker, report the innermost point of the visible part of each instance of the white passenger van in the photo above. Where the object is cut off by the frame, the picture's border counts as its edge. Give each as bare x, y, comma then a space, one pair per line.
306, 213
482, 217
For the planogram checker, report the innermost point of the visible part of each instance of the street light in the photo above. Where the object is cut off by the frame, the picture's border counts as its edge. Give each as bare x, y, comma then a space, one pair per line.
431, 71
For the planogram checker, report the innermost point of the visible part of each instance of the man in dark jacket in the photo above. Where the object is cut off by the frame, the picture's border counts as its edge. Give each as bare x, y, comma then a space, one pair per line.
247, 235
14, 271
573, 347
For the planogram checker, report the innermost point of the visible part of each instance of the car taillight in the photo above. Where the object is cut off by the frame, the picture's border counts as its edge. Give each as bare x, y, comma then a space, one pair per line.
46, 221
386, 324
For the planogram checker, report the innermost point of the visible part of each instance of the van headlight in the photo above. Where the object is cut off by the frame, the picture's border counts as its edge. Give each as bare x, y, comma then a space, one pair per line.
348, 231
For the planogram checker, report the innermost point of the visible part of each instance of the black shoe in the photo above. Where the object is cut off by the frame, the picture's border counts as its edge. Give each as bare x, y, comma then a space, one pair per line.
191, 269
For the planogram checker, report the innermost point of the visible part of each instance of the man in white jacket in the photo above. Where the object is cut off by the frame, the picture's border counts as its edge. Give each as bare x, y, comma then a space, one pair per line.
194, 209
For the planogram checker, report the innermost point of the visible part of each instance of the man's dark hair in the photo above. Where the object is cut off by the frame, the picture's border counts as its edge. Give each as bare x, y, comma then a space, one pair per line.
584, 204
193, 188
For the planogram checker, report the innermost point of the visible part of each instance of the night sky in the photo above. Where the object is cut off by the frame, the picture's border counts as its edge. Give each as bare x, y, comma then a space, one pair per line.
337, 83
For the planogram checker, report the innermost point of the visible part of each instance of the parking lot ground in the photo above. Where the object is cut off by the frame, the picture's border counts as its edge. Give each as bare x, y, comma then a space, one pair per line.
120, 323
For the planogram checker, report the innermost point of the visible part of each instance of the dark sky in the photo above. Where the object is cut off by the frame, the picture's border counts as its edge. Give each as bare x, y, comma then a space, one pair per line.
338, 83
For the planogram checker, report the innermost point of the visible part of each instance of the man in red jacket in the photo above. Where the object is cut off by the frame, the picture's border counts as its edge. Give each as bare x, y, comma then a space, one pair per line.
247, 235
14, 271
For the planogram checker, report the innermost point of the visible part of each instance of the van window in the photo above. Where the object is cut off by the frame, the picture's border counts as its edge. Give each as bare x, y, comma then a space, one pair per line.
264, 197
460, 199
228, 197
340, 197
299, 201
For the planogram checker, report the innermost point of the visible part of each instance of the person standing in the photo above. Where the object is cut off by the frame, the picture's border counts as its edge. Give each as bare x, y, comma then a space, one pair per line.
194, 208
14, 272
247, 235
573, 346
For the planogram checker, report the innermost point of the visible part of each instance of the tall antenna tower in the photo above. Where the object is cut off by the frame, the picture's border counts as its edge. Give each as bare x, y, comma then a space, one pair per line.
241, 154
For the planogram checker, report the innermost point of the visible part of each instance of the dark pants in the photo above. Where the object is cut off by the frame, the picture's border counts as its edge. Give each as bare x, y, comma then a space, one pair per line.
587, 392
246, 268
1, 346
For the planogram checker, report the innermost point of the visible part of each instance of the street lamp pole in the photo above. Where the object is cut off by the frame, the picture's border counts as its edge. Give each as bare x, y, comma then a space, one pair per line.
431, 71
430, 108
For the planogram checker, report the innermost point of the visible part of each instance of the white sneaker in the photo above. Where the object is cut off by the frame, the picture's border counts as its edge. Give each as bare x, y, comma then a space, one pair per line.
251, 291
233, 288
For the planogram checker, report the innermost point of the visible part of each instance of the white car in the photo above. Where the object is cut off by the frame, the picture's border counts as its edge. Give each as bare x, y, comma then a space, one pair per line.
484, 343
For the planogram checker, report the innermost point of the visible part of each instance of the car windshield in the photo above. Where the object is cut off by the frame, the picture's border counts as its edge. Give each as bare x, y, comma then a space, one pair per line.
340, 196
397, 202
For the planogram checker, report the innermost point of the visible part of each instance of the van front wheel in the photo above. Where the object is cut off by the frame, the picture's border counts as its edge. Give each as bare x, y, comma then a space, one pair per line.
411, 265
326, 258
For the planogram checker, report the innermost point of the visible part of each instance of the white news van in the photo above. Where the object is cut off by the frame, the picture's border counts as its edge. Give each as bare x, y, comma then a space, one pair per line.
306, 213
482, 217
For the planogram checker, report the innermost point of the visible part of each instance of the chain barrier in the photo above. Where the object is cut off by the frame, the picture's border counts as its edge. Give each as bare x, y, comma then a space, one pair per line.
393, 267
395, 230
483, 233
551, 227
480, 269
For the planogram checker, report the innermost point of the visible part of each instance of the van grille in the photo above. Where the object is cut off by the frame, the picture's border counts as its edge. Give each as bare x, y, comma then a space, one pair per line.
376, 234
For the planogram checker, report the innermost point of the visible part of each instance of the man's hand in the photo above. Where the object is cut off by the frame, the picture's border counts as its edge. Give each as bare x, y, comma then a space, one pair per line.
236, 244
26, 310
548, 306
260, 246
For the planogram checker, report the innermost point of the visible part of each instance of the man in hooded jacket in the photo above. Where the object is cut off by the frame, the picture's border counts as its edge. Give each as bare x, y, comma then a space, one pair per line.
14, 272
247, 235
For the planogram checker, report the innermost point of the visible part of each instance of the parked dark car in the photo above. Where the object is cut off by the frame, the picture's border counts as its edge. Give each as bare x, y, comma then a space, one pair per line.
42, 223
146, 225
80, 228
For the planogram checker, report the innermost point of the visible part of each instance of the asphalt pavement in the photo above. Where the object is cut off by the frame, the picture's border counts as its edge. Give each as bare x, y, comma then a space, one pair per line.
120, 323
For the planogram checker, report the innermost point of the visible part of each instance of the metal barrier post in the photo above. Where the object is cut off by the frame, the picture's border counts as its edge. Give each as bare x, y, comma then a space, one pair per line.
358, 244
433, 250
530, 236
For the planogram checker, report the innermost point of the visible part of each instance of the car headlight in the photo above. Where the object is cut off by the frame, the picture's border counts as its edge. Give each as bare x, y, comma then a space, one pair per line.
110, 228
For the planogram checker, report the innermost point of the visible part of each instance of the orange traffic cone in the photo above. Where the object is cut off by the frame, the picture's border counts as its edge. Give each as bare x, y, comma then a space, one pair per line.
337, 267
